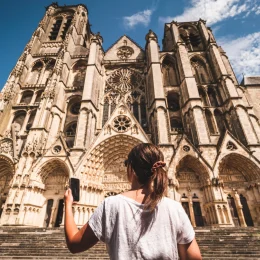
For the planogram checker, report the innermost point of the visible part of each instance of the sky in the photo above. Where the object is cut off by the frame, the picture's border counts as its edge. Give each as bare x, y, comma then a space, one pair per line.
235, 24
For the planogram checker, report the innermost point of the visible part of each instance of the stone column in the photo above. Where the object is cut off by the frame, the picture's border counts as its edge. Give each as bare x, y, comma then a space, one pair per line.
54, 129
239, 210
192, 217
81, 129
51, 223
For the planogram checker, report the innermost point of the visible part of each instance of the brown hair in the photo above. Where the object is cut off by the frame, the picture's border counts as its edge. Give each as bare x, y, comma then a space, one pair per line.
143, 159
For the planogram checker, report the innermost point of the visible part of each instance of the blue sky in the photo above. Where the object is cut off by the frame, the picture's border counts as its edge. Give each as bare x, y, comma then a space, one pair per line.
235, 24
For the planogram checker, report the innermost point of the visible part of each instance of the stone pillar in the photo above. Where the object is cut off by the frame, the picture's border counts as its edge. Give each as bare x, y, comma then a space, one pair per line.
88, 92
54, 129
155, 87
239, 210
81, 129
192, 217
51, 223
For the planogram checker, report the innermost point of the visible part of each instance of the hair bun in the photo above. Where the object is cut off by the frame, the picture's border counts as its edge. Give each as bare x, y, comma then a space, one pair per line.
157, 165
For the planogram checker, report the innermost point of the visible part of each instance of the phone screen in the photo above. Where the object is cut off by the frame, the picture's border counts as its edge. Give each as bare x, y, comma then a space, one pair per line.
74, 186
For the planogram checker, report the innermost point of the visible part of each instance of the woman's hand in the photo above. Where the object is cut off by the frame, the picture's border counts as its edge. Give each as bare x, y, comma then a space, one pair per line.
68, 198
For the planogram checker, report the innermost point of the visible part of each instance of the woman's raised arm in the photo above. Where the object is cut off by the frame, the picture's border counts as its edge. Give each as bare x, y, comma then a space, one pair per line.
77, 240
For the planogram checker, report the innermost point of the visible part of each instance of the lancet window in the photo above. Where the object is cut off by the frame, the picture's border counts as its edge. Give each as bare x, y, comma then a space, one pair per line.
78, 74
26, 97
19, 119
170, 72
191, 37
31, 119
38, 96
55, 29
70, 133
35, 73
66, 27
72, 114
200, 71
41, 71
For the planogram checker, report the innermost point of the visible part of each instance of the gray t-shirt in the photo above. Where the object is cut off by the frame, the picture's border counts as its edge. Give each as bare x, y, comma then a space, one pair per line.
131, 232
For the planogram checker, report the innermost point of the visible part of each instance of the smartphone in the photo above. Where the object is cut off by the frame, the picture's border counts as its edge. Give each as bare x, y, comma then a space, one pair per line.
74, 186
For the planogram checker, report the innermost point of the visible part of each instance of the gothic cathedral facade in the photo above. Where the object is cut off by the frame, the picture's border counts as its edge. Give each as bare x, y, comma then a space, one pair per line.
71, 109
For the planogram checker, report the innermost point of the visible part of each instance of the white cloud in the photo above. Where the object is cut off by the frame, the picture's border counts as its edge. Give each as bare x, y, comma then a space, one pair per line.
214, 11
143, 18
244, 54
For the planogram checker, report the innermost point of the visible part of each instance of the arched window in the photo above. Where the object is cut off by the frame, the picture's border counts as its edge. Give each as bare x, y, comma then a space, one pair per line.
105, 112
35, 73
191, 37
203, 97
200, 71
48, 71
66, 27
70, 133
19, 119
173, 101
31, 120
213, 97
38, 96
55, 29
26, 97
170, 73
72, 114
220, 121
79, 73
210, 122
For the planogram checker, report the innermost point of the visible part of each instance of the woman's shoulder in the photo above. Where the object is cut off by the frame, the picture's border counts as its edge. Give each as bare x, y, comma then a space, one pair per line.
171, 203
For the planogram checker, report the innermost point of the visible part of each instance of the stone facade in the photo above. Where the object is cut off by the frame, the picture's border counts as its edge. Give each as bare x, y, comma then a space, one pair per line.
70, 109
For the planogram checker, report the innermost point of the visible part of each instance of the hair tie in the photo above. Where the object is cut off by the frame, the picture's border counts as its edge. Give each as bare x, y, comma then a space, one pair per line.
157, 165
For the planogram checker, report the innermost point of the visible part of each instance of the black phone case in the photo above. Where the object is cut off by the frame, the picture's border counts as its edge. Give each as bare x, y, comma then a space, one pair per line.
74, 186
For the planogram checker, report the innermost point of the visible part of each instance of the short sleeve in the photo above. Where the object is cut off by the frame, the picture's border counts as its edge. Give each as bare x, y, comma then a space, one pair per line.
97, 222
185, 231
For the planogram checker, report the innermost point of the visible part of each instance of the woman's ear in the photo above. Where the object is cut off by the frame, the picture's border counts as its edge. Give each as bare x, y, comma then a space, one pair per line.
130, 173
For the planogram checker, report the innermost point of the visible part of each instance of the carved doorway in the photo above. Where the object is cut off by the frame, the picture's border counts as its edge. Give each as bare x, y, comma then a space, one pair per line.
55, 176
6, 174
197, 214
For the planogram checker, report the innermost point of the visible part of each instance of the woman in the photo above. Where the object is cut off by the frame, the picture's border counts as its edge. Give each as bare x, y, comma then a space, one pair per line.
138, 224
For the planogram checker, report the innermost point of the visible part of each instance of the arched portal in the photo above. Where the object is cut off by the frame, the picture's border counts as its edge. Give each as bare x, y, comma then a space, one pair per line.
105, 164
190, 174
55, 175
239, 174
6, 174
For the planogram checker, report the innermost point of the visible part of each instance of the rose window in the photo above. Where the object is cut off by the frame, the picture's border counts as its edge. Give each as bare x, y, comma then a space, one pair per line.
124, 80
125, 52
121, 123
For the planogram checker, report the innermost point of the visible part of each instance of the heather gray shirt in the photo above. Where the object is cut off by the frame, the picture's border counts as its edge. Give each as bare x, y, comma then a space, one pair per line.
131, 232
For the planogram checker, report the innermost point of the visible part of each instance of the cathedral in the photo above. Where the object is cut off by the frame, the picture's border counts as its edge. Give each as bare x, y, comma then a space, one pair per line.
72, 109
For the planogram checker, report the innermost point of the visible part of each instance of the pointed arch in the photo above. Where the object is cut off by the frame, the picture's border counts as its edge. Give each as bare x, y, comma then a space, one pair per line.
200, 70
235, 167
78, 74
220, 121
170, 72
